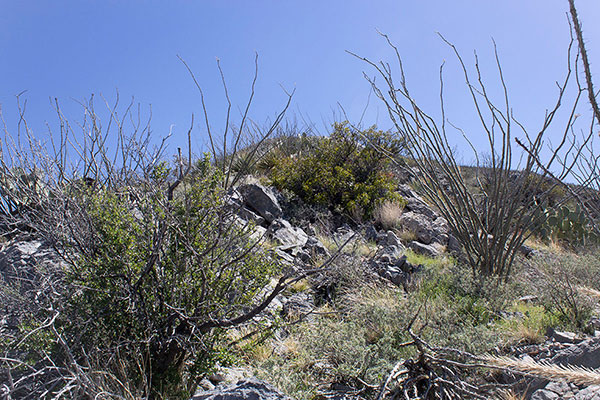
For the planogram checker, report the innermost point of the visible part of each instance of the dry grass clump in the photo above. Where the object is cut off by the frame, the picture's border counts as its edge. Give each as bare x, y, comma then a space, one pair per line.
553, 246
543, 369
364, 249
407, 236
387, 214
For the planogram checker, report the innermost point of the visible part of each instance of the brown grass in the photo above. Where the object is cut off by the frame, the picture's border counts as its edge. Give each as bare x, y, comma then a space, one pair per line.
510, 395
553, 245
589, 292
527, 334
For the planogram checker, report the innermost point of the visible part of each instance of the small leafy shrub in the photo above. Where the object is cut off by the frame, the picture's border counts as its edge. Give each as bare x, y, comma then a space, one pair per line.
346, 171
160, 270
462, 311
470, 306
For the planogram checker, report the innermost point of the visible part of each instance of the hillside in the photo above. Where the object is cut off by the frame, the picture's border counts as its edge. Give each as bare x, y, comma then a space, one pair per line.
276, 264
321, 271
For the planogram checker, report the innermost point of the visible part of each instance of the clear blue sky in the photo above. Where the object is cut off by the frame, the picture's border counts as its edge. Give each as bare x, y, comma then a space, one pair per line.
70, 49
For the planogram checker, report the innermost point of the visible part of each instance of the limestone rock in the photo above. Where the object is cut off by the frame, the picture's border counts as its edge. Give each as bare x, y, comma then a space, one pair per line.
589, 393
392, 240
315, 248
420, 207
584, 354
544, 394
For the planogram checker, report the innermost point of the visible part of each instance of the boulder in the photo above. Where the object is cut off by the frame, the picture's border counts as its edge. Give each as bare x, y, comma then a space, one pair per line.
544, 394
345, 234
22, 262
429, 250
564, 390
392, 240
563, 337
588, 393
371, 234
381, 238
283, 257
298, 304
236, 204
403, 264
398, 278
261, 200
419, 225
392, 265
245, 389
258, 233
391, 251
453, 245
528, 251
248, 215
425, 229
407, 192
441, 231
585, 354
415, 203
314, 247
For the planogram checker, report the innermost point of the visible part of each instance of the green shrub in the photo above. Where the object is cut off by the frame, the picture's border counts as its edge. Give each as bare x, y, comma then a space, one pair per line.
151, 282
346, 171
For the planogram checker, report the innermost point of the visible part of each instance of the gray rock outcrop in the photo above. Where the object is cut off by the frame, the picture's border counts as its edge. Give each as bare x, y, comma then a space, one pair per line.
390, 264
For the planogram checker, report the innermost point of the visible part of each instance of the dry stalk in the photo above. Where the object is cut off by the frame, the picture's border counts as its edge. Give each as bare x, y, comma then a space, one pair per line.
492, 222
544, 369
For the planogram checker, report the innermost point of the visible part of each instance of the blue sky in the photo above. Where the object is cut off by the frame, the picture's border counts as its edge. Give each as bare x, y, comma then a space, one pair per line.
71, 49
